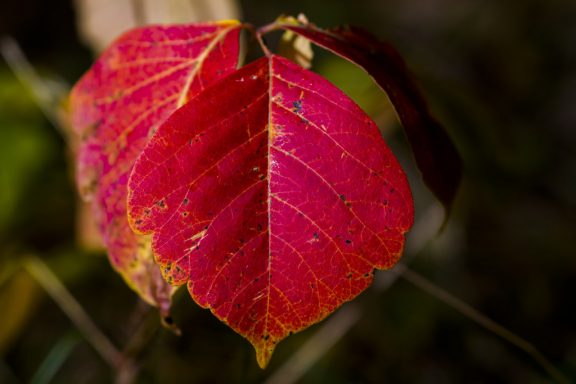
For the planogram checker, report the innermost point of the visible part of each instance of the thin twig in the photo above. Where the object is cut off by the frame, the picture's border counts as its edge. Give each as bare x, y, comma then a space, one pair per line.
473, 314
46, 278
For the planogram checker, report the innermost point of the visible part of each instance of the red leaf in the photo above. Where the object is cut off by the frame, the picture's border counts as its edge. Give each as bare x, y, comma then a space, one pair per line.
137, 82
435, 155
274, 197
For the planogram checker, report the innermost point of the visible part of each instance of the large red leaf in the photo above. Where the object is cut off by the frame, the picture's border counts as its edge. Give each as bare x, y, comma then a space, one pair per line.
136, 83
274, 197
435, 154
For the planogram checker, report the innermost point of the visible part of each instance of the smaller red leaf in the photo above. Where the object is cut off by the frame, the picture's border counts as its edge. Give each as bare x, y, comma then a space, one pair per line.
136, 83
435, 154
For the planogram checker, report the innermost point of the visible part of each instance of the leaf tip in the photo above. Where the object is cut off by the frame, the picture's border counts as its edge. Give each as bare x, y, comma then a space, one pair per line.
264, 354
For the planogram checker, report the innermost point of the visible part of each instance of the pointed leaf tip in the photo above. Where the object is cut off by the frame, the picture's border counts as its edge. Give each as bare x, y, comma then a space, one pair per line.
263, 355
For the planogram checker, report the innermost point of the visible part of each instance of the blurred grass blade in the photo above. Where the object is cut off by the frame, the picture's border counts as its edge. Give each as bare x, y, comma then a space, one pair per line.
48, 95
38, 269
55, 359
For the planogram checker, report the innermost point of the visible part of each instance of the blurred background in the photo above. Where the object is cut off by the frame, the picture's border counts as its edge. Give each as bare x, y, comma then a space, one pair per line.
500, 75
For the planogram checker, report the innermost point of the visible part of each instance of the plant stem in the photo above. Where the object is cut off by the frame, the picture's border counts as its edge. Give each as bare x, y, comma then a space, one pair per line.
473, 314
46, 278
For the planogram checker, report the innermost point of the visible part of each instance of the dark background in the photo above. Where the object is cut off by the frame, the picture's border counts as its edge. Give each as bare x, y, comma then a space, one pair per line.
500, 75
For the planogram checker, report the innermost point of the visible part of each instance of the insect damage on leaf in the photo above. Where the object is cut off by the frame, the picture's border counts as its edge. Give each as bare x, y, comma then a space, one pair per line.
279, 196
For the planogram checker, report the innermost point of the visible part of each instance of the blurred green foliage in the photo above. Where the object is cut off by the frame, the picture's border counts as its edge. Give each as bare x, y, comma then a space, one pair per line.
501, 75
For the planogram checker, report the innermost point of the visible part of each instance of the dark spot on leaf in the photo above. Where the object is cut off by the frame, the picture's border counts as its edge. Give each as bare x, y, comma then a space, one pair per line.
256, 279
259, 227
161, 204
297, 106
312, 285
349, 275
138, 222
206, 227
342, 197
185, 201
316, 236
237, 306
261, 176
266, 337
348, 241
184, 214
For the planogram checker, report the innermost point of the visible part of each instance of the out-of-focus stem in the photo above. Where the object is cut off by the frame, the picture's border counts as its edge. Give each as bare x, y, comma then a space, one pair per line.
45, 96
44, 276
475, 315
